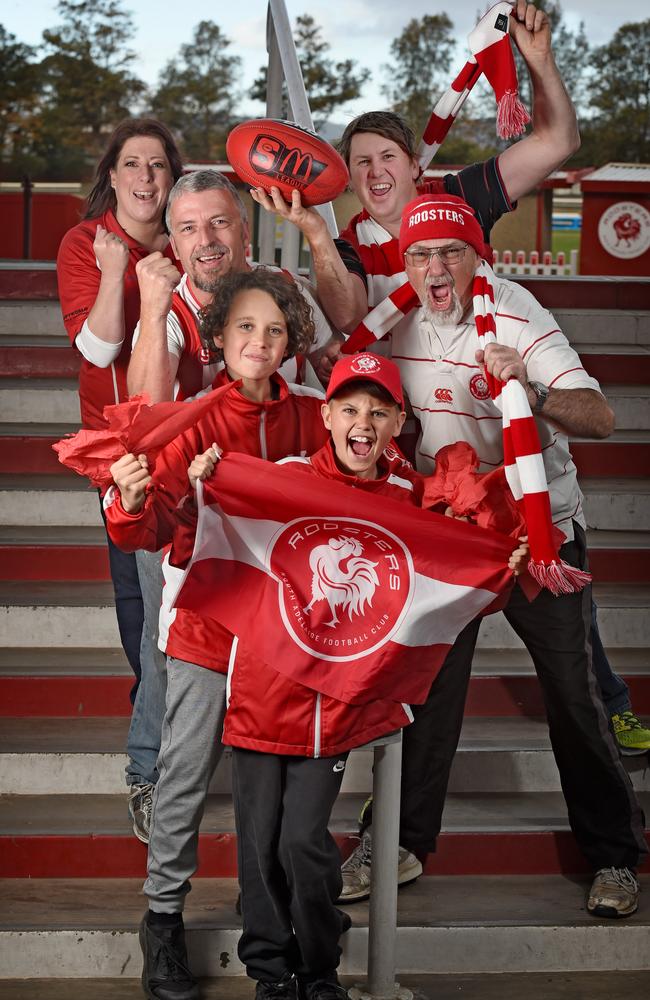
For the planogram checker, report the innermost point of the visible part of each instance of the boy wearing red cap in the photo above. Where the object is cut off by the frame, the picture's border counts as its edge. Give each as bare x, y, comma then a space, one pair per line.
290, 743
288, 766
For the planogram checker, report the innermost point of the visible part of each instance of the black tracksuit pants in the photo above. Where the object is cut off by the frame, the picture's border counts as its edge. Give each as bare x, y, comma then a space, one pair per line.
289, 864
605, 816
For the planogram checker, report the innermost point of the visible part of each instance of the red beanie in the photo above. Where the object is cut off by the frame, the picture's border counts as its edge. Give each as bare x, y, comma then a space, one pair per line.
440, 217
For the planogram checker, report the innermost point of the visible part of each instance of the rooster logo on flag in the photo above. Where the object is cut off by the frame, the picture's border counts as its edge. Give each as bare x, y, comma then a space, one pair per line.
342, 577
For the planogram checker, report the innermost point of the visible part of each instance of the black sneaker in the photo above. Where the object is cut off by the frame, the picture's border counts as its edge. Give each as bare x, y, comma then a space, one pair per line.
283, 989
327, 988
165, 975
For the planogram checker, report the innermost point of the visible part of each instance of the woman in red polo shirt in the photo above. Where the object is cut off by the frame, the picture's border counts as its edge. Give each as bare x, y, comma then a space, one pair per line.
100, 298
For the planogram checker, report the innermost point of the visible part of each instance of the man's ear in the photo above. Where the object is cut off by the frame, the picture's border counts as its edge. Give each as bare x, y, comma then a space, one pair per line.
173, 246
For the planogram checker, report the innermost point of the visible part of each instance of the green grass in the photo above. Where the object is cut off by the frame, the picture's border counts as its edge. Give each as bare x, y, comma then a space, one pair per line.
565, 240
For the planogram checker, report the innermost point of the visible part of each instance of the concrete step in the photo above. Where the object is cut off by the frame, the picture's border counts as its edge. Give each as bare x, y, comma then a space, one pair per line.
508, 664
631, 405
53, 553
86, 755
27, 323
617, 504
54, 661
610, 504
63, 500
73, 554
624, 454
601, 985
101, 694
53, 362
38, 401
64, 928
30, 453
90, 836
616, 363
56, 400
604, 326
82, 615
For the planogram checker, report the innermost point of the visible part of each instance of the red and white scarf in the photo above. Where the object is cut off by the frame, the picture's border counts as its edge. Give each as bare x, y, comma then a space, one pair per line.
489, 44
522, 455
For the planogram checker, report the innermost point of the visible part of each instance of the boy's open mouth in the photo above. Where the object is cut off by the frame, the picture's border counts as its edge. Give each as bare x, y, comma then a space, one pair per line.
360, 445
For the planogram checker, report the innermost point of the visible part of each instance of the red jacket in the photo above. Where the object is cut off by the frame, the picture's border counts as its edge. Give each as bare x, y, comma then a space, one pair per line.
79, 276
292, 424
270, 713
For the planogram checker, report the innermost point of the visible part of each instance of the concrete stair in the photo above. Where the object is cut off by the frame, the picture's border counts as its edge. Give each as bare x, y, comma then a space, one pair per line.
505, 892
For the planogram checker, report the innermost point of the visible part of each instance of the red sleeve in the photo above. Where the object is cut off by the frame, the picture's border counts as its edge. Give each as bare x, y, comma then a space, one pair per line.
167, 506
78, 277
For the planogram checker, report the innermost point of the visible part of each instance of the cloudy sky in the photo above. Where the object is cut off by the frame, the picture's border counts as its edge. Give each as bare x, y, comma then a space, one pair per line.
358, 29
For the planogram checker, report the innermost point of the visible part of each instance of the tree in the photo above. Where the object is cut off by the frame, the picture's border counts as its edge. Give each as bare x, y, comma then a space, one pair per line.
620, 97
328, 84
419, 71
88, 84
19, 90
197, 92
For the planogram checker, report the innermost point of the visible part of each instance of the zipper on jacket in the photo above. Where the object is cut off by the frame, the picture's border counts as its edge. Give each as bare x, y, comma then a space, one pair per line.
116, 391
263, 448
317, 720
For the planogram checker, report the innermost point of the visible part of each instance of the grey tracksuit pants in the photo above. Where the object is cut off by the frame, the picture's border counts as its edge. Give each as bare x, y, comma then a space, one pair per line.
189, 753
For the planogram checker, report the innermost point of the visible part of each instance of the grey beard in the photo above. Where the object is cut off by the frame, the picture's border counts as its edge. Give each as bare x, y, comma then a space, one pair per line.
207, 284
450, 317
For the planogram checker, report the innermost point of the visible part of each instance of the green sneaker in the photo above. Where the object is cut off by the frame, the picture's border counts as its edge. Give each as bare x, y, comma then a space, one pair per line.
632, 737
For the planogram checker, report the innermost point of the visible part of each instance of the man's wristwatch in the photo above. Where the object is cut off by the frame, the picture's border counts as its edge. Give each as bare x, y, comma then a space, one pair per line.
541, 391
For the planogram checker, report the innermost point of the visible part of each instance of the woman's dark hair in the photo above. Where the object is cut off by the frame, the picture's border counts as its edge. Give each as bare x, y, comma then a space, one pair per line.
384, 123
285, 293
102, 196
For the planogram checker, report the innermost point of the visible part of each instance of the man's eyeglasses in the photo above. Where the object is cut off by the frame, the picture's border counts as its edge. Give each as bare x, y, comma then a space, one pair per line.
447, 255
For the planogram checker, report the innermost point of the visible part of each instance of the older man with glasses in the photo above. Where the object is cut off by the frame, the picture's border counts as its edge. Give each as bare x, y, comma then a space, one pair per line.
445, 372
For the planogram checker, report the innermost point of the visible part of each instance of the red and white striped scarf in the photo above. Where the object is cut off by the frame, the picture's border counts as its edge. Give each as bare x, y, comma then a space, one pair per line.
522, 455
387, 282
489, 44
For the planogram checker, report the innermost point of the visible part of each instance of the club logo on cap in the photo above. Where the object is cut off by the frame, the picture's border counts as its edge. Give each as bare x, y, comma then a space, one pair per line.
364, 364
345, 585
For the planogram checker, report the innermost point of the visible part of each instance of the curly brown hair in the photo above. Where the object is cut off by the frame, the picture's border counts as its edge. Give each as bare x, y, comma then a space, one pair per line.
283, 290
384, 123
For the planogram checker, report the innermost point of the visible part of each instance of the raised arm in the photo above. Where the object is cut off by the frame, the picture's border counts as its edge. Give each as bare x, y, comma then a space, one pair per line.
555, 134
342, 294
106, 317
152, 368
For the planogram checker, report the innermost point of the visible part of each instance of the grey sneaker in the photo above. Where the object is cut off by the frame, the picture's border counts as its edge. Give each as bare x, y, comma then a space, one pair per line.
356, 870
614, 893
140, 803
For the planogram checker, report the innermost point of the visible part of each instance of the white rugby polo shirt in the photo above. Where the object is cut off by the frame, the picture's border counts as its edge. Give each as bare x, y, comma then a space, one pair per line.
450, 396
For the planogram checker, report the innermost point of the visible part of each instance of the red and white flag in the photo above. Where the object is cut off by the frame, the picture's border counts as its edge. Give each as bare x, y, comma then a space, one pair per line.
348, 593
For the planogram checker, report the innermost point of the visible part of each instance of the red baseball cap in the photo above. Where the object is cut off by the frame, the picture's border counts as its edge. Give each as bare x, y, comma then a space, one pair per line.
369, 368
